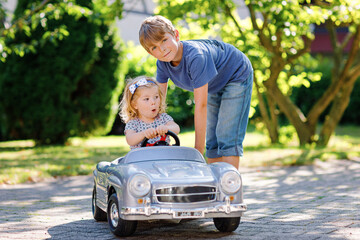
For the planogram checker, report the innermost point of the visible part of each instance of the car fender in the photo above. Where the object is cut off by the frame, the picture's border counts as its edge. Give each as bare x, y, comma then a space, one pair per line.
219, 168
115, 183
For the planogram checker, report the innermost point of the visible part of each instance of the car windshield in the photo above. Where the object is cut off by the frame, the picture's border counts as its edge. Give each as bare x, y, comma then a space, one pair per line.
163, 153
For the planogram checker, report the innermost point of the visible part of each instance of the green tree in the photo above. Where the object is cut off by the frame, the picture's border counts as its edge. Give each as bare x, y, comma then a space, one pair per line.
277, 38
60, 71
346, 70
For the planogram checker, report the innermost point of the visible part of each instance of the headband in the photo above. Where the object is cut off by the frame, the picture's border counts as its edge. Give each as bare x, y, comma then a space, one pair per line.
139, 83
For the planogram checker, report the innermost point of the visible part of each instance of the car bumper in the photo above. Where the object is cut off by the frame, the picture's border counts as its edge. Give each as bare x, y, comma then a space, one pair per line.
149, 212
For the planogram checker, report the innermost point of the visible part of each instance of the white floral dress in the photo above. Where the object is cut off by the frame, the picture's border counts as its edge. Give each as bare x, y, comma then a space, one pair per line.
138, 125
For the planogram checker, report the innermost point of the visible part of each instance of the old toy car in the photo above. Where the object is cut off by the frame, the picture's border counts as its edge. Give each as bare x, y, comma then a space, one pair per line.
166, 182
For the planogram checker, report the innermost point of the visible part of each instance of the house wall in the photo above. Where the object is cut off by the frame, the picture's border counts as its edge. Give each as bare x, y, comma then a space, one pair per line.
135, 11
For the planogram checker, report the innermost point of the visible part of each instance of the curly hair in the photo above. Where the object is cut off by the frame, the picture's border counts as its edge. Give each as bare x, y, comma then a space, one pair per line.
126, 110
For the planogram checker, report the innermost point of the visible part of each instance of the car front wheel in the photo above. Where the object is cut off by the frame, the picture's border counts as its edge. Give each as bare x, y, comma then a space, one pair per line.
227, 224
98, 214
118, 226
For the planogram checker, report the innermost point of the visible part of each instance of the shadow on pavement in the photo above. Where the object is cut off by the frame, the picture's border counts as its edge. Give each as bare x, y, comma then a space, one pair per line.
186, 229
308, 201
46, 200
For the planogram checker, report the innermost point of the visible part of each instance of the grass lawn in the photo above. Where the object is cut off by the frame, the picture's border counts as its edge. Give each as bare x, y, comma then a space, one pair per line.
21, 161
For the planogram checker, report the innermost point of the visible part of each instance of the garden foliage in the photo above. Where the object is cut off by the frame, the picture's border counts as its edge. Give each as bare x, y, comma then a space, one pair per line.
61, 76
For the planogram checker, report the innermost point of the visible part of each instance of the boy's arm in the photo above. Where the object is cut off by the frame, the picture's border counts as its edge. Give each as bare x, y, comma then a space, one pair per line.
200, 116
163, 88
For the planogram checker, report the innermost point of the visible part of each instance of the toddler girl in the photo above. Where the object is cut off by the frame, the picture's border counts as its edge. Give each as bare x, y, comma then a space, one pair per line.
143, 111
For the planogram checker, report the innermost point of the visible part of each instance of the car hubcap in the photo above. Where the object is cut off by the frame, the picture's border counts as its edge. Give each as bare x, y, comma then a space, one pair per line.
114, 215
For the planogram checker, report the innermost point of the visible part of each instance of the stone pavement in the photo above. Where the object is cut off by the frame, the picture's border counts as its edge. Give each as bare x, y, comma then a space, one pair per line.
308, 202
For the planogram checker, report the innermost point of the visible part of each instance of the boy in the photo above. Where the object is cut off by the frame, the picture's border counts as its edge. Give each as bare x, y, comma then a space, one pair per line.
219, 75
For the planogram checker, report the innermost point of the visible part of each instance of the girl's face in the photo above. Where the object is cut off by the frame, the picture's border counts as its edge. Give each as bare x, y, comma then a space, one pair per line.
167, 49
147, 103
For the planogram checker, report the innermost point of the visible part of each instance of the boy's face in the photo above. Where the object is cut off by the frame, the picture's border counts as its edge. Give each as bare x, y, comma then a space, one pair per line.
167, 49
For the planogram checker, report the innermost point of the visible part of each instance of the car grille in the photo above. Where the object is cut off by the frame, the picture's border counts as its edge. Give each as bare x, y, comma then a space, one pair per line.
187, 194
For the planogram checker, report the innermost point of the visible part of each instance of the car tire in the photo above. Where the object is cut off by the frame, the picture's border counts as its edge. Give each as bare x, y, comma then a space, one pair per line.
118, 226
98, 214
227, 224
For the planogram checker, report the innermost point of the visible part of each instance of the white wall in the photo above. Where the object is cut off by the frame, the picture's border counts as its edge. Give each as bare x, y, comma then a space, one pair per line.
135, 11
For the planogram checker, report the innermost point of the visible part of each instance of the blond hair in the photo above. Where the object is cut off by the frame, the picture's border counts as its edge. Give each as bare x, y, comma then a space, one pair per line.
127, 111
153, 29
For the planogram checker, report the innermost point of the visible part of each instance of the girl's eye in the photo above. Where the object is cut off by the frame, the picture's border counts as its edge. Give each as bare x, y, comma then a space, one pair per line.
165, 40
146, 99
157, 96
153, 48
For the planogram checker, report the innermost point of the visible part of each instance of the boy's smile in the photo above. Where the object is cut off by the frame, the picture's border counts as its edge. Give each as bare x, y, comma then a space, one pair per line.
169, 49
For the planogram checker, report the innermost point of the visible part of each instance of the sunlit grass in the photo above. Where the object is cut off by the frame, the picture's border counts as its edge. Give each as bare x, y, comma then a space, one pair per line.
21, 161
24, 162
344, 144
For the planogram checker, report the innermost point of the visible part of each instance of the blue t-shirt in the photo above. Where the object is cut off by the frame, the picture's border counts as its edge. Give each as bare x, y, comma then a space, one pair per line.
206, 61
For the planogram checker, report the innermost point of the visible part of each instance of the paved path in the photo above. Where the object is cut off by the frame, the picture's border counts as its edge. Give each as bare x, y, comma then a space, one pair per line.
309, 202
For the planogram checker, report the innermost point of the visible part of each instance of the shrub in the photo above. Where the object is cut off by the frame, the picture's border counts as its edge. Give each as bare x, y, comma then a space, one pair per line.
69, 83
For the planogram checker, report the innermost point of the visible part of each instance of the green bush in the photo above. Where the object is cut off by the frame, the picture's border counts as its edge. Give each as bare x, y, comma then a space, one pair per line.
352, 112
180, 105
68, 85
306, 97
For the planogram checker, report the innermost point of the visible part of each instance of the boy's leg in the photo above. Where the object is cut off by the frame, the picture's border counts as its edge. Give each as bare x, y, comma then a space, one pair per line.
233, 160
232, 122
213, 106
212, 160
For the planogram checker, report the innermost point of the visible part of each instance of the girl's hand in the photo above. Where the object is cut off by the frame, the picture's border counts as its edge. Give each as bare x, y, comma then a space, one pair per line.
150, 133
162, 130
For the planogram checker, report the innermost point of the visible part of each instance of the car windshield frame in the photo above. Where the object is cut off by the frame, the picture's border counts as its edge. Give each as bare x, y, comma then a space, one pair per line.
164, 153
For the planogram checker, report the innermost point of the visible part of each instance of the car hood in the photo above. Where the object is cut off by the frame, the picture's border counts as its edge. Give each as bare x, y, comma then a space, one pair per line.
175, 170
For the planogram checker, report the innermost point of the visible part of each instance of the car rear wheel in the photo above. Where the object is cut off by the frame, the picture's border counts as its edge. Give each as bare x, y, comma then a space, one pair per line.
98, 214
227, 224
118, 226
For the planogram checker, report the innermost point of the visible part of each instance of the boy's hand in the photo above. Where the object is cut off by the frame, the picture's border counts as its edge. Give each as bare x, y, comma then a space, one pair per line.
150, 133
162, 130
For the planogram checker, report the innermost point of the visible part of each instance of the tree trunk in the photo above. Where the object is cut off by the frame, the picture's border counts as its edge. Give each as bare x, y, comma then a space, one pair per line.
274, 125
333, 118
293, 113
343, 79
269, 119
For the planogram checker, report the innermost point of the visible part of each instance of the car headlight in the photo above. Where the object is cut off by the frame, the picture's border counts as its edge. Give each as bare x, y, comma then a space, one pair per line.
139, 185
230, 182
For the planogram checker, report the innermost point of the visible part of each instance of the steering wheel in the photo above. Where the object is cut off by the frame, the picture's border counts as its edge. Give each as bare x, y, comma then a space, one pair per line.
162, 141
